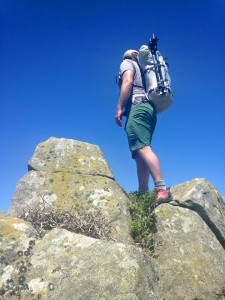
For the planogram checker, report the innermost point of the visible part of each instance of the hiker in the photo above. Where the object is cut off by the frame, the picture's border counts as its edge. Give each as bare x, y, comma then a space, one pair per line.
140, 125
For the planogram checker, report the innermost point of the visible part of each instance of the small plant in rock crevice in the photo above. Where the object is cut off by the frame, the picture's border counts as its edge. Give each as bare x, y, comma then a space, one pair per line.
143, 221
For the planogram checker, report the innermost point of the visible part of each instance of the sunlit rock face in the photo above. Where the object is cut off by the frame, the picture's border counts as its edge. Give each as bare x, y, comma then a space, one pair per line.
191, 237
67, 235
71, 176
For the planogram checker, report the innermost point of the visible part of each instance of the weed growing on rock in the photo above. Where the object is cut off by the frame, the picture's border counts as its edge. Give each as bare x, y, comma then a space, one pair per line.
143, 221
90, 224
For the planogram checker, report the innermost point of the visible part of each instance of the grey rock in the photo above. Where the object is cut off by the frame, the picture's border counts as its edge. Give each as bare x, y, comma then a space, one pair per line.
72, 178
71, 156
67, 266
190, 261
101, 269
200, 196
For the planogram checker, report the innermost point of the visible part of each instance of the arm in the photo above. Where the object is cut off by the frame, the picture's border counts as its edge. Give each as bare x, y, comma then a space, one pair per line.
125, 91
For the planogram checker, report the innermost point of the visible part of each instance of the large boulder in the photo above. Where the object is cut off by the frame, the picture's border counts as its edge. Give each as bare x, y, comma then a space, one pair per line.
189, 259
67, 266
200, 196
70, 176
190, 243
69, 156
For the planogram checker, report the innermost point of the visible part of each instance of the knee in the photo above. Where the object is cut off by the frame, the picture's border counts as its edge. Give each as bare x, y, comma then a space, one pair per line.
142, 151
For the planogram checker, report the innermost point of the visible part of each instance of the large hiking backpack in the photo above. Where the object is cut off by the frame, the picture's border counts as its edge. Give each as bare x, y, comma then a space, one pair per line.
156, 73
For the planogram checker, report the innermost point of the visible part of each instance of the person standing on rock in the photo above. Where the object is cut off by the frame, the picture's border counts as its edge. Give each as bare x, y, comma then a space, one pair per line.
140, 125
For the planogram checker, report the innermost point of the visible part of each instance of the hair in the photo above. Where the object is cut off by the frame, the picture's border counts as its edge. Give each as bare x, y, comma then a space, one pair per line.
128, 54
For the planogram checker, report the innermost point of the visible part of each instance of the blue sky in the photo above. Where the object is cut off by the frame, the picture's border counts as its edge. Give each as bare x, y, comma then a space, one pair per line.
58, 63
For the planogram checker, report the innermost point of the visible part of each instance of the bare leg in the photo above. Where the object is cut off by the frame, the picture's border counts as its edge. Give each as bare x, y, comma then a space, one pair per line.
147, 163
143, 174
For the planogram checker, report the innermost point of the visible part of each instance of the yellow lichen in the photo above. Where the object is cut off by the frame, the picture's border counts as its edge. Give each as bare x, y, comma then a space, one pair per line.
8, 231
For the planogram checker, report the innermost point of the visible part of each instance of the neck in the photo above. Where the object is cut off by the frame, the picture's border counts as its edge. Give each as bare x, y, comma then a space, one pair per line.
133, 58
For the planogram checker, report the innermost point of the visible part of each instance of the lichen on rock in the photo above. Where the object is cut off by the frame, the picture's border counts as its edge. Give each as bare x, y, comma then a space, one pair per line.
68, 234
54, 182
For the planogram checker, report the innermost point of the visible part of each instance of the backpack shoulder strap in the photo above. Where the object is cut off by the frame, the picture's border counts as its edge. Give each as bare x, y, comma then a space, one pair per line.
142, 76
142, 73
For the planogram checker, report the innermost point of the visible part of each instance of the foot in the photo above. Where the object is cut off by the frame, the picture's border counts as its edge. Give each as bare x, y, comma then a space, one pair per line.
163, 196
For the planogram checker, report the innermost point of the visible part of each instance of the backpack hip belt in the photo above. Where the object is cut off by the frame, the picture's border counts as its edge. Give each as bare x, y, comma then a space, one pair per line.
139, 98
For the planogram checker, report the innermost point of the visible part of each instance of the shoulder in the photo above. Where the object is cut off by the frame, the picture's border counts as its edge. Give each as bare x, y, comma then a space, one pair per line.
127, 64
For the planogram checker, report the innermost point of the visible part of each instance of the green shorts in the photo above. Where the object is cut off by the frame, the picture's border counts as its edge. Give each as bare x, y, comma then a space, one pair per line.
140, 126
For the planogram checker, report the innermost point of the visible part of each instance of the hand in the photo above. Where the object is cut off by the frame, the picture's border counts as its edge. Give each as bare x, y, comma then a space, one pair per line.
118, 117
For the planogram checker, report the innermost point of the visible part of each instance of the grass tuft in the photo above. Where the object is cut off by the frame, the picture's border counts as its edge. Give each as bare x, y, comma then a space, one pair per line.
143, 224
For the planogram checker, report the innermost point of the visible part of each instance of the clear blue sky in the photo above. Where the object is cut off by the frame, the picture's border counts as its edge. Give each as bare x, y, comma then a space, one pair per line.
59, 60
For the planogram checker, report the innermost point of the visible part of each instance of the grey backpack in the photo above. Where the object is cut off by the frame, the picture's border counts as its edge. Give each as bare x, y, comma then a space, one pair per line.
156, 73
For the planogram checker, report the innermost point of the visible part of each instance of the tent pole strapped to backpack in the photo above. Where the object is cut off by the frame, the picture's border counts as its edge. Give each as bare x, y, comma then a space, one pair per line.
157, 78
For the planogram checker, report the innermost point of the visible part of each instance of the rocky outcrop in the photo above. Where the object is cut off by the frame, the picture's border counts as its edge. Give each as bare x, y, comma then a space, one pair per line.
72, 176
66, 266
190, 231
69, 179
200, 196
190, 258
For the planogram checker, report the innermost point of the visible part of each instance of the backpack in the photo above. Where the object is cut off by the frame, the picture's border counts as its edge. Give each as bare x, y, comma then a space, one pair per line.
156, 74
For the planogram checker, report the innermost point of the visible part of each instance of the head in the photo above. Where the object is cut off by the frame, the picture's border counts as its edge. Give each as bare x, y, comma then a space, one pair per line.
130, 54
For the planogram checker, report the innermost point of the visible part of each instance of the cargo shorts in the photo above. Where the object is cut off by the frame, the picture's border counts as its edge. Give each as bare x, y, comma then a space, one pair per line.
140, 126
